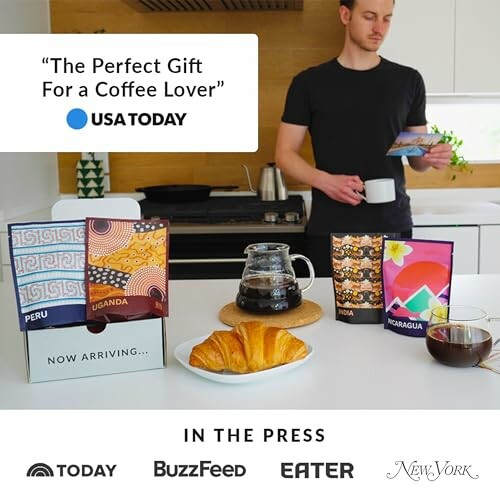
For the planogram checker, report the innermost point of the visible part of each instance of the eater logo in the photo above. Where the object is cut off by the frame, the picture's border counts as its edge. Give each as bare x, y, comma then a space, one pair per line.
40, 470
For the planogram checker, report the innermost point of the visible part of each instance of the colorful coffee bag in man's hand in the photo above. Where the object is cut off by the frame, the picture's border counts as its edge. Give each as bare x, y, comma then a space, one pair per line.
126, 269
416, 278
357, 277
48, 266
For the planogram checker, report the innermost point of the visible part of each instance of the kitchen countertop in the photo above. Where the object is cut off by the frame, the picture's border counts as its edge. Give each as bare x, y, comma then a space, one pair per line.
430, 207
455, 213
353, 366
450, 207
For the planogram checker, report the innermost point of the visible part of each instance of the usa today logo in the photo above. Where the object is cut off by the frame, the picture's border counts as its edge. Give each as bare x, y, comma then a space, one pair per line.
77, 119
41, 469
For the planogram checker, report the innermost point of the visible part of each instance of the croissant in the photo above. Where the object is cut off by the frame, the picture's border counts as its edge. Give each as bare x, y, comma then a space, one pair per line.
251, 346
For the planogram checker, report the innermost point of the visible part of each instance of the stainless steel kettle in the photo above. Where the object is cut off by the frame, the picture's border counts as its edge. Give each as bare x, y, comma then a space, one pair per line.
272, 185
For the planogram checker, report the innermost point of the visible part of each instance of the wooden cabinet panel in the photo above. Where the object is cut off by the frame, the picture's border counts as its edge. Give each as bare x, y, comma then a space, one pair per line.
288, 43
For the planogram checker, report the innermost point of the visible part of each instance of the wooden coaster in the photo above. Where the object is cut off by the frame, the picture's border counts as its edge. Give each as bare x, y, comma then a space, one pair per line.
308, 312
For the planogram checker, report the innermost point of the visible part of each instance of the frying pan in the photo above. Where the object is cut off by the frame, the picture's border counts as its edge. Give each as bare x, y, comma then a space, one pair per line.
174, 193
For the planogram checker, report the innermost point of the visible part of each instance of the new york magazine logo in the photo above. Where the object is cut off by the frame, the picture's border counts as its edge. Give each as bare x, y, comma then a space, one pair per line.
41, 469
431, 471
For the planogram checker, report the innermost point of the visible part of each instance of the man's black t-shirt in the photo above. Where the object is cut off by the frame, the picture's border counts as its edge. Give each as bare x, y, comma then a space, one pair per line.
353, 118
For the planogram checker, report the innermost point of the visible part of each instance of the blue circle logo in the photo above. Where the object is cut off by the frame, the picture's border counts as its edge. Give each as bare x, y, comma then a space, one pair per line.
77, 118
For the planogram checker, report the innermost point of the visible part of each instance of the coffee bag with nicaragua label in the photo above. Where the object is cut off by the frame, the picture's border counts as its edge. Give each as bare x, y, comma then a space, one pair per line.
417, 278
357, 277
127, 269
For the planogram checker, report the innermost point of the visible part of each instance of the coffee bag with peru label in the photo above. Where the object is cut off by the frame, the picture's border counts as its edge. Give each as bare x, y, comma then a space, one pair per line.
127, 269
48, 266
357, 277
417, 278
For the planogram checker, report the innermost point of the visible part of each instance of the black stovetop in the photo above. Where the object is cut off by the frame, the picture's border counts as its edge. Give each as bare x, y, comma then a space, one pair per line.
219, 209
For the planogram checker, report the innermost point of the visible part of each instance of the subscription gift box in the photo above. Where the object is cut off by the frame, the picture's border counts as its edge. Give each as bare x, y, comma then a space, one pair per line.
51, 267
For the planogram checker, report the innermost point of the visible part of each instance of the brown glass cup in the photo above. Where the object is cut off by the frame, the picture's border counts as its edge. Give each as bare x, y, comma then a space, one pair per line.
459, 335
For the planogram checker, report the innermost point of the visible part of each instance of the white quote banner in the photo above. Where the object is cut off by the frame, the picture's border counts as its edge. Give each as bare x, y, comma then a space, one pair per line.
122, 92
297, 455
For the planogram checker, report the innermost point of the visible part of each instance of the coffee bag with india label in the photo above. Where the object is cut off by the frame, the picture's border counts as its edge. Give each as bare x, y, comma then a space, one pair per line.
357, 277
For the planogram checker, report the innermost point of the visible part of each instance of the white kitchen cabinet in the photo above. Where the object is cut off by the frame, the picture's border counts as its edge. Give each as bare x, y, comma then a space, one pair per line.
453, 43
477, 44
489, 249
422, 36
465, 250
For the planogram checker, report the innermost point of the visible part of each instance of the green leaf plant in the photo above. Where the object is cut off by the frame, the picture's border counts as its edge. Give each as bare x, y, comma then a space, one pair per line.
458, 164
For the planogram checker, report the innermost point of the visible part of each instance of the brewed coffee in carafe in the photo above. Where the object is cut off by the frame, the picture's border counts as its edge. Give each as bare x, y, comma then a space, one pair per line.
268, 284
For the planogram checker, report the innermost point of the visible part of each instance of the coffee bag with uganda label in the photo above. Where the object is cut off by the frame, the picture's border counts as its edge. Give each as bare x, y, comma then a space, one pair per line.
127, 269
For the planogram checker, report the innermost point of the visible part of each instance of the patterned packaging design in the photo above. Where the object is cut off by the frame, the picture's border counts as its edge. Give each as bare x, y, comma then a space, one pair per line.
90, 178
417, 278
126, 269
48, 265
357, 281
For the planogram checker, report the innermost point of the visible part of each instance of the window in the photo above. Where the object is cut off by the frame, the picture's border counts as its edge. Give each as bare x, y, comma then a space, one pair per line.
474, 119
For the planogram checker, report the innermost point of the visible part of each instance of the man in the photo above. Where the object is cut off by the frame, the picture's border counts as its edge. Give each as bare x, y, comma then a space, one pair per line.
354, 107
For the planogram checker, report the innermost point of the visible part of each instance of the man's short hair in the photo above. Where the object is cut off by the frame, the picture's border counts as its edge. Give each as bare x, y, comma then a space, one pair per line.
350, 3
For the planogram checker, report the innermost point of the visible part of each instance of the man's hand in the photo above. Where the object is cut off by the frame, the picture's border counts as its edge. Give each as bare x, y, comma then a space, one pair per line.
438, 157
342, 188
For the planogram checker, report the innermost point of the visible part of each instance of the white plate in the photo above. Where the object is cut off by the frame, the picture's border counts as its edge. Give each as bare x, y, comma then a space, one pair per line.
183, 351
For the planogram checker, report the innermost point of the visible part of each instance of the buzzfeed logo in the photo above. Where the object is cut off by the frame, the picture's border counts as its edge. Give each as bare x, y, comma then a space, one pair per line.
202, 469
432, 471
72, 470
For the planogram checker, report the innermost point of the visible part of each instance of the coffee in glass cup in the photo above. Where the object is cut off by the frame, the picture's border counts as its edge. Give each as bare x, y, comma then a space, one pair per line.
459, 335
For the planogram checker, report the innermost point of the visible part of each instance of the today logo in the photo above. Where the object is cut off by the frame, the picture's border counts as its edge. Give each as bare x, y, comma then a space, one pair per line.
433, 471
73, 470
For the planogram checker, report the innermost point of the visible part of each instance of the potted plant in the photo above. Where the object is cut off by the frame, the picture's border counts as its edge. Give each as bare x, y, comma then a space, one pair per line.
458, 164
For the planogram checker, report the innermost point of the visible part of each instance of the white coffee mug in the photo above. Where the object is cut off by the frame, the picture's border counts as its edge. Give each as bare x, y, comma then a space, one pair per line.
379, 191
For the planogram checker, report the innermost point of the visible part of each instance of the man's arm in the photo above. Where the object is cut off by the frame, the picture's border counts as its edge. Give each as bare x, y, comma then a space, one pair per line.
438, 157
341, 188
